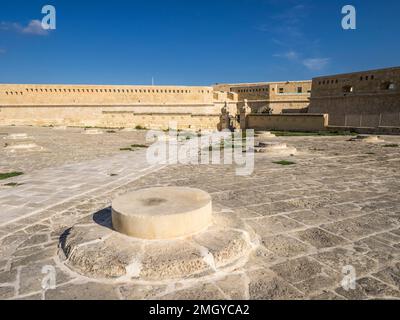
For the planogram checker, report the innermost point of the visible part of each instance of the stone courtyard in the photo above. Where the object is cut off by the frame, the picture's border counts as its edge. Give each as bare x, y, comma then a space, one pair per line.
336, 205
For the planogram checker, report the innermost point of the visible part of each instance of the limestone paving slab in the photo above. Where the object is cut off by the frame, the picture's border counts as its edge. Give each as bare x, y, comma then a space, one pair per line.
61, 183
337, 206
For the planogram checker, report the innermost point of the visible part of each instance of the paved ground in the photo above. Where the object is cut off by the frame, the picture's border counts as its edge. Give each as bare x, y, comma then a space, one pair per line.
63, 147
337, 206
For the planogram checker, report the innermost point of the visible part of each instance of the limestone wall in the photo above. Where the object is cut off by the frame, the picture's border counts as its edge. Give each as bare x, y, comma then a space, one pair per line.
146, 106
278, 96
188, 117
232, 87
361, 99
292, 122
109, 106
39, 95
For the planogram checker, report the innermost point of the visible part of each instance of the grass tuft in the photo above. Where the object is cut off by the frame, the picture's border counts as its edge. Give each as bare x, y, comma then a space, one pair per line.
285, 163
138, 146
133, 147
391, 145
12, 184
8, 175
140, 128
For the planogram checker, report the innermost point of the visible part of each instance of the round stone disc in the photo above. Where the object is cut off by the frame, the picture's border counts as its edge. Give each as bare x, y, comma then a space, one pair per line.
369, 139
162, 213
265, 135
93, 131
274, 146
17, 136
19, 146
275, 149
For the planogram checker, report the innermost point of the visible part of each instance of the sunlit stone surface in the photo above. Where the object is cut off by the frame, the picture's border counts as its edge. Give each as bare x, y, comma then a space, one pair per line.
162, 213
275, 149
368, 139
17, 136
282, 232
262, 135
93, 131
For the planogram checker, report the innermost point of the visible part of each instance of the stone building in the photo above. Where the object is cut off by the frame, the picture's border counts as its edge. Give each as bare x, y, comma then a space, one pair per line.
145, 106
368, 99
271, 97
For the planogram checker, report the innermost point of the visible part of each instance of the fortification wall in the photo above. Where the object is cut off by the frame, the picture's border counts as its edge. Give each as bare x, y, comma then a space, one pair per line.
232, 87
297, 90
39, 95
292, 88
108, 106
368, 99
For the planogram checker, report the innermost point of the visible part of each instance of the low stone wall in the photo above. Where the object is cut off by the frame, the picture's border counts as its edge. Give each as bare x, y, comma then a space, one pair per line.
287, 122
151, 117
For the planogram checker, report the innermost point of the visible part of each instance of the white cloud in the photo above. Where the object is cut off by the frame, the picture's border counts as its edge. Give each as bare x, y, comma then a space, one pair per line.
290, 55
34, 27
316, 64
287, 29
293, 16
287, 23
313, 64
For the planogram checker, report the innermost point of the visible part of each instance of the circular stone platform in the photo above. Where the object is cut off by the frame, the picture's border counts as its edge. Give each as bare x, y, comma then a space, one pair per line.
272, 149
17, 136
60, 128
93, 131
368, 139
265, 135
94, 250
162, 213
22, 146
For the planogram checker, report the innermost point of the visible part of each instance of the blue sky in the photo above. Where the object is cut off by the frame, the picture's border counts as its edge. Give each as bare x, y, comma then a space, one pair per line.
193, 42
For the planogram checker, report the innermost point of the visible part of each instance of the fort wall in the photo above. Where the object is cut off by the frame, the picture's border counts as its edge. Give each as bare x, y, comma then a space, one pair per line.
39, 95
369, 99
109, 106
